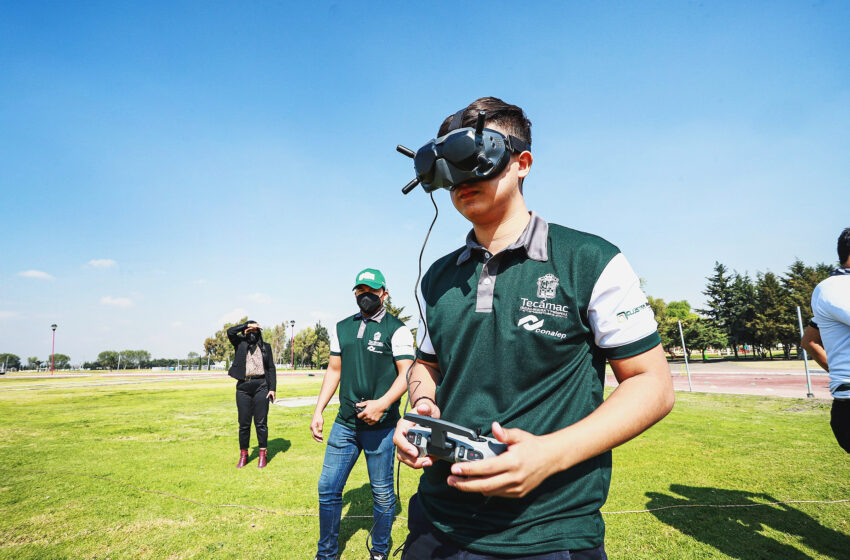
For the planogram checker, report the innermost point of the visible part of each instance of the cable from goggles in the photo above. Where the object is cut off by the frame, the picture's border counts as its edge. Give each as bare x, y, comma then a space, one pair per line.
463, 155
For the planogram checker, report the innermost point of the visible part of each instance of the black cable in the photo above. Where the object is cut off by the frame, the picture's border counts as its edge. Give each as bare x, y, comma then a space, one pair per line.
407, 376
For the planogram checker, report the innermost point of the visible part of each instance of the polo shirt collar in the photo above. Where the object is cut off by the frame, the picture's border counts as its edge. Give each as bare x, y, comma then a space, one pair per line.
377, 317
533, 241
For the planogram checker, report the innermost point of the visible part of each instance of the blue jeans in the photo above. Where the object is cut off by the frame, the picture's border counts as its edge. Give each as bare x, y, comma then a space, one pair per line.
343, 449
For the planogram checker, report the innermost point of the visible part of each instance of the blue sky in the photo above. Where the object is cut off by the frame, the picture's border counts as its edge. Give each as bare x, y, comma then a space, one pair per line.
170, 166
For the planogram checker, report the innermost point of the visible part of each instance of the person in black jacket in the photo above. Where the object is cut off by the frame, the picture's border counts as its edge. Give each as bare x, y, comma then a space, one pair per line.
256, 381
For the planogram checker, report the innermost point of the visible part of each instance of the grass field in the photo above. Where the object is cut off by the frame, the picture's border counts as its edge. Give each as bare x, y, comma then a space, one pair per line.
145, 470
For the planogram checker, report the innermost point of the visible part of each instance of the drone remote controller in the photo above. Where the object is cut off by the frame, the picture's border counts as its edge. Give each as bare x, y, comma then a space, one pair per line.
450, 442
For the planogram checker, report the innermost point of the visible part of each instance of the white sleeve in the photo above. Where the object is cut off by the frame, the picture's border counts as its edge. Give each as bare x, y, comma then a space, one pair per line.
831, 304
402, 343
619, 312
335, 342
423, 338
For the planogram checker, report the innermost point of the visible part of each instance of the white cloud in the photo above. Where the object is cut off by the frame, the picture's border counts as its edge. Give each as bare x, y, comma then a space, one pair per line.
102, 263
35, 274
231, 316
116, 301
8, 314
200, 282
259, 298
176, 324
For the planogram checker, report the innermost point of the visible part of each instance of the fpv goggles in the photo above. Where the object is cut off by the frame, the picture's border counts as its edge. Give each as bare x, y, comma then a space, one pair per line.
463, 155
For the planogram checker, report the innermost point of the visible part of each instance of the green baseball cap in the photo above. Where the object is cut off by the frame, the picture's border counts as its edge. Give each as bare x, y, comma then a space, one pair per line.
371, 277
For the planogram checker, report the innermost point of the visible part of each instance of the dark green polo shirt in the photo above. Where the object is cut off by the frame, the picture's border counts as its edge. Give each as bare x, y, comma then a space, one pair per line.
521, 338
368, 350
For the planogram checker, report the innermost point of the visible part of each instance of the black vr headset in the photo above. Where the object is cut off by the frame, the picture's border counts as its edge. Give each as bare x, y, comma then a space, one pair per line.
463, 155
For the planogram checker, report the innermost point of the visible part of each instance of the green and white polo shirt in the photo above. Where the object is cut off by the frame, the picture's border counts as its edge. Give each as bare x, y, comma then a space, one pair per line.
369, 348
521, 337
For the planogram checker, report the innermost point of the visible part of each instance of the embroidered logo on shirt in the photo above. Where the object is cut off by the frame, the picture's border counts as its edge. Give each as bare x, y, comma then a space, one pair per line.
624, 316
375, 345
547, 285
532, 323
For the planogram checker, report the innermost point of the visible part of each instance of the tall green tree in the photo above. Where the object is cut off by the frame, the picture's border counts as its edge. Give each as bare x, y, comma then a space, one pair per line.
305, 345
322, 334
11, 361
108, 359
322, 354
218, 346
741, 310
718, 292
769, 323
60, 361
702, 334
799, 282
277, 339
395, 311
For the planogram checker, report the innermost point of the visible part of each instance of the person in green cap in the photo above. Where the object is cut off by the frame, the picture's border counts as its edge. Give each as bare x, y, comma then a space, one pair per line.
371, 352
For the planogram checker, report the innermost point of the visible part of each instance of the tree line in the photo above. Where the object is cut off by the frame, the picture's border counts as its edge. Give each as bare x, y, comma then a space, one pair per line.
742, 312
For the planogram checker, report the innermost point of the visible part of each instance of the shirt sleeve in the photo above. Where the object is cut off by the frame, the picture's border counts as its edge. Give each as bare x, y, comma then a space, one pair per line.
402, 344
425, 349
622, 321
335, 349
825, 308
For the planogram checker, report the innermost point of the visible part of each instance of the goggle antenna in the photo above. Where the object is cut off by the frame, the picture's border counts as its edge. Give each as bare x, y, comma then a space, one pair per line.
479, 124
411, 154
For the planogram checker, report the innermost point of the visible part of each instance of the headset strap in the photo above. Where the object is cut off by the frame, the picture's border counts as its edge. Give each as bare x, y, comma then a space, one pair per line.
513, 143
457, 119
516, 145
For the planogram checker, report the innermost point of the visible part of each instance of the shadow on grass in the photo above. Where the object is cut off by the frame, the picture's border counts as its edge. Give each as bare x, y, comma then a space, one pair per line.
275, 446
360, 504
738, 532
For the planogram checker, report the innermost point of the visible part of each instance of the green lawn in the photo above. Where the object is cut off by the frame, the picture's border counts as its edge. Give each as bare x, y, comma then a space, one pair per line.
145, 470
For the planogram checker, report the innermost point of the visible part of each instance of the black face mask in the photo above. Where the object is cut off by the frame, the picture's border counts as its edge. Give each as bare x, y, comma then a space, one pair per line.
368, 303
253, 337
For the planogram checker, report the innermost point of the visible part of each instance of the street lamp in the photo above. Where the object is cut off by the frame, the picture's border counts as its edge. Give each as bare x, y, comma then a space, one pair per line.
53, 347
292, 344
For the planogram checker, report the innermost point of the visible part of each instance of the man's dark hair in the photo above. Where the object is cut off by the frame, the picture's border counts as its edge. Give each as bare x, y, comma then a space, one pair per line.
509, 117
844, 246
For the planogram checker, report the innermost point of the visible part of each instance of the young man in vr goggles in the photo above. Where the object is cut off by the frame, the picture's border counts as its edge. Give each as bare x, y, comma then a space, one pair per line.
370, 353
519, 323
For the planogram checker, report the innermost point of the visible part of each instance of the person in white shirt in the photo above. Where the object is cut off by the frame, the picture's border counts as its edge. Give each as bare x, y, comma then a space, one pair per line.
827, 339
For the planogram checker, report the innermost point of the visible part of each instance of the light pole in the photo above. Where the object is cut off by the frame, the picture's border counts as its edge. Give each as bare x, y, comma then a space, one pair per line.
292, 344
53, 347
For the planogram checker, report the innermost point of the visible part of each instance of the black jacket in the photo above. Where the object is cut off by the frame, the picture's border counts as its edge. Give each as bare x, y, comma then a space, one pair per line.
237, 368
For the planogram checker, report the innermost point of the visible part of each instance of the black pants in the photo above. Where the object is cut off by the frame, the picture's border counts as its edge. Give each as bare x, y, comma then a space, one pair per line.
425, 542
840, 422
252, 401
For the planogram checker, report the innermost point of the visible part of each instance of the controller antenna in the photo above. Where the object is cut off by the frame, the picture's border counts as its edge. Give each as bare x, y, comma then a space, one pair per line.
406, 151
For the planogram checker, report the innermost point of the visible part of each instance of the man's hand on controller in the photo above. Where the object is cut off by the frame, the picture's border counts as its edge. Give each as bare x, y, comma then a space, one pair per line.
407, 452
513, 474
372, 411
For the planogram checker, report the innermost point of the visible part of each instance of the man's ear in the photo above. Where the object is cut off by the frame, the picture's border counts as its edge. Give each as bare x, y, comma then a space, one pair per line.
525, 159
